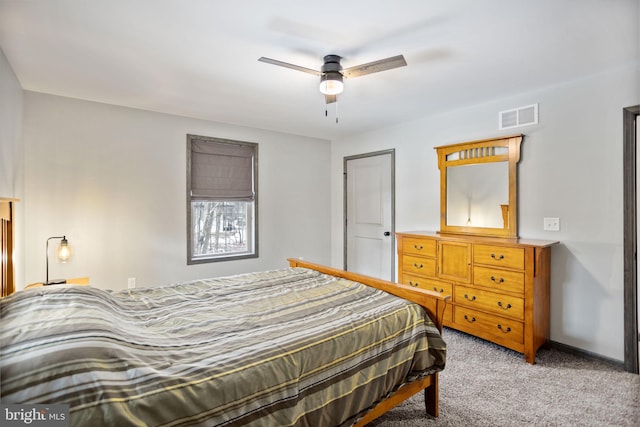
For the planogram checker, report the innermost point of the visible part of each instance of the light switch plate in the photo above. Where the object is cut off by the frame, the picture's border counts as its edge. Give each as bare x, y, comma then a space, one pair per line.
551, 224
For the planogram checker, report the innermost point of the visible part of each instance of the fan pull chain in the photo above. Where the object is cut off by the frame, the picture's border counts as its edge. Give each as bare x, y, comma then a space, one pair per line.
326, 110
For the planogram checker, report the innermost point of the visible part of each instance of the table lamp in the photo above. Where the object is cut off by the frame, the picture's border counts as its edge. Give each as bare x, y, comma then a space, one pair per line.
63, 254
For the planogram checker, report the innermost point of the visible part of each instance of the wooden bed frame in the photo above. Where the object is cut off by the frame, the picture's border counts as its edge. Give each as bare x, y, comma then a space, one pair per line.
433, 302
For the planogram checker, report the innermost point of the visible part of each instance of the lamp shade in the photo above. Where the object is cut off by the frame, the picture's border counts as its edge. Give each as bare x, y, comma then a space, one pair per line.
63, 253
331, 83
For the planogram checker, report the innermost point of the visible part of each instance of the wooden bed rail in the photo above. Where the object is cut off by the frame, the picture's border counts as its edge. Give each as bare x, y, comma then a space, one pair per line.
433, 302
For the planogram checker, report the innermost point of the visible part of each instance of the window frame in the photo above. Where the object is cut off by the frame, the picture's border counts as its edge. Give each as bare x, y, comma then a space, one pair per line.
221, 257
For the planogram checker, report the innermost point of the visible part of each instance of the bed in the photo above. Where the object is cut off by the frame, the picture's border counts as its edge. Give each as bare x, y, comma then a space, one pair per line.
306, 345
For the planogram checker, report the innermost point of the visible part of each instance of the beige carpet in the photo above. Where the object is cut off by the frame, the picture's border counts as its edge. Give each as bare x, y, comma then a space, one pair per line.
487, 385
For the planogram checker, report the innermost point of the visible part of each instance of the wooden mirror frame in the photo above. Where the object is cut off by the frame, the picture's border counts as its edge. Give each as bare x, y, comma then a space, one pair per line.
478, 152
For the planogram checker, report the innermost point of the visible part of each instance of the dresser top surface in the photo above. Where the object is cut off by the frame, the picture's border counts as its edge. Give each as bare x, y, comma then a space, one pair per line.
479, 239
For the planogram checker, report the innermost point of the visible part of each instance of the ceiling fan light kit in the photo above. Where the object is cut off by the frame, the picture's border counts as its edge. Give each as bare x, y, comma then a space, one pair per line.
331, 83
331, 76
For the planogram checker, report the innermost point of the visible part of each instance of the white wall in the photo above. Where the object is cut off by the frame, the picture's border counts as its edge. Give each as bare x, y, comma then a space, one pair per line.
113, 180
12, 154
571, 168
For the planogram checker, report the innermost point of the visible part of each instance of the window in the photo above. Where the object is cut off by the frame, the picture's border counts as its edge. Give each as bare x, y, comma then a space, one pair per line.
222, 202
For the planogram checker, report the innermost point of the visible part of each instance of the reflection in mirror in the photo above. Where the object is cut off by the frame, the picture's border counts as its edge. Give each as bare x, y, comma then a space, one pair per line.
478, 195
478, 187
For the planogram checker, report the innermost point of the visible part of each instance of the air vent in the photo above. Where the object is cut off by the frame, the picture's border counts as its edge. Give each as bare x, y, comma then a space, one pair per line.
521, 116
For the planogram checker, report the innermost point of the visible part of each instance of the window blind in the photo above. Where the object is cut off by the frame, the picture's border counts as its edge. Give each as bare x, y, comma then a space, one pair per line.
221, 171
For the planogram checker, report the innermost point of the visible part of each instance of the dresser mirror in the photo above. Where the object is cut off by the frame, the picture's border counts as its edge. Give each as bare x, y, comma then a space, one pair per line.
478, 187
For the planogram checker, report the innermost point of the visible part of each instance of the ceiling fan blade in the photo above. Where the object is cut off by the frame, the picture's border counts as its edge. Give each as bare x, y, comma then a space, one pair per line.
287, 65
375, 66
329, 99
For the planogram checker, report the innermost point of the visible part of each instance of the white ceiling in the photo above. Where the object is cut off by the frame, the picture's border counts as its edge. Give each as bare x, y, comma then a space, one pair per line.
198, 58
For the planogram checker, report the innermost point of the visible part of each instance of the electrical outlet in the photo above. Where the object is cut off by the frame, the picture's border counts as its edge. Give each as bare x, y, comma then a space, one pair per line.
131, 282
551, 224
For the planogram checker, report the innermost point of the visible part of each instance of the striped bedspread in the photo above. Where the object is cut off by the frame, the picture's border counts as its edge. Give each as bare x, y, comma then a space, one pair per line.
278, 348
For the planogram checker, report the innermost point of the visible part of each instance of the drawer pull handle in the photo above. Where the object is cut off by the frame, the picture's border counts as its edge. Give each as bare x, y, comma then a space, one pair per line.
414, 284
504, 331
507, 307
473, 298
436, 289
493, 279
417, 266
419, 248
497, 258
473, 319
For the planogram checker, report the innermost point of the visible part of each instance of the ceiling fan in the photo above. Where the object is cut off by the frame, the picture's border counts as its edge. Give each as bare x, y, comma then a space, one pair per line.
331, 73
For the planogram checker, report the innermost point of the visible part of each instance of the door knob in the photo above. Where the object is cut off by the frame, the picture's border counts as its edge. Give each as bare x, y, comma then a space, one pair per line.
387, 233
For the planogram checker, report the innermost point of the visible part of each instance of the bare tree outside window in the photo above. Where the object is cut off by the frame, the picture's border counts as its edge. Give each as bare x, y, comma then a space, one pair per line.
219, 227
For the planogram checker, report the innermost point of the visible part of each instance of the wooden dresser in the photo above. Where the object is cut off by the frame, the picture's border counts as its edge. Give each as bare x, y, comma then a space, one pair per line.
500, 287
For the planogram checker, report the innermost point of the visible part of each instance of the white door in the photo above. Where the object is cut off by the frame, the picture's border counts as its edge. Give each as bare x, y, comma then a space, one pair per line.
369, 234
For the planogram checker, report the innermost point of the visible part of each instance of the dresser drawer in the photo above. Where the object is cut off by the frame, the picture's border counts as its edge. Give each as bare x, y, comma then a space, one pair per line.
502, 280
430, 284
502, 305
483, 323
421, 266
421, 247
499, 256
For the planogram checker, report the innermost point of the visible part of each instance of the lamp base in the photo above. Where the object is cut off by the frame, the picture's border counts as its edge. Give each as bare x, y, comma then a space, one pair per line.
55, 282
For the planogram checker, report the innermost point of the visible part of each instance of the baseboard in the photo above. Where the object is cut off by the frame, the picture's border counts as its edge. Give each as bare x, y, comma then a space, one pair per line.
584, 353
